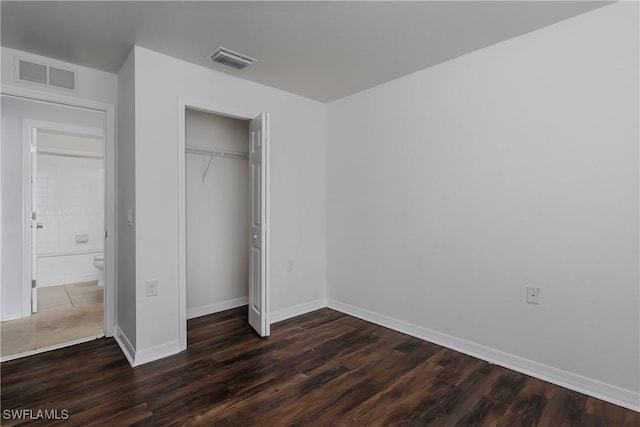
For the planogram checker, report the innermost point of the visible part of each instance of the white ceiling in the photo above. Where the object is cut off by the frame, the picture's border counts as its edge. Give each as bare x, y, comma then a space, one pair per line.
321, 50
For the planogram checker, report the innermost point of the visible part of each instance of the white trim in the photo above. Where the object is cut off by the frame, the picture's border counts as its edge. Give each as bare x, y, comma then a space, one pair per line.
11, 317
110, 185
66, 128
221, 110
63, 152
297, 310
56, 98
182, 227
266, 244
206, 107
600, 390
125, 345
69, 253
217, 307
156, 352
26, 219
50, 348
68, 280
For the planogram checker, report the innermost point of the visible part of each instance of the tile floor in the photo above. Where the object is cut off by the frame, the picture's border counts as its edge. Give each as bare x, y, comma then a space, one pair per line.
65, 313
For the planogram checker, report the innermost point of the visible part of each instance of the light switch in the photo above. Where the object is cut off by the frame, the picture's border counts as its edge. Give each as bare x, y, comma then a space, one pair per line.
152, 288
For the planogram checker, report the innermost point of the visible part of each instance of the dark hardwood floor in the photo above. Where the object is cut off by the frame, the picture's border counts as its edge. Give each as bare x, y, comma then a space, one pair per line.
323, 368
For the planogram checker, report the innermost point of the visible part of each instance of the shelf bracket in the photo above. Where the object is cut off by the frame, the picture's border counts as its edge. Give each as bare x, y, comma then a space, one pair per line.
204, 174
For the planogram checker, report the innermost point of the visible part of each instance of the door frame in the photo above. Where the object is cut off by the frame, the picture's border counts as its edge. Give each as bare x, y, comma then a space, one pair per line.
110, 152
29, 127
191, 103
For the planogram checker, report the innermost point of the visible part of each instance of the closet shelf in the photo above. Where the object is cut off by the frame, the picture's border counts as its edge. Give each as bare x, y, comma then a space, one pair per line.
191, 149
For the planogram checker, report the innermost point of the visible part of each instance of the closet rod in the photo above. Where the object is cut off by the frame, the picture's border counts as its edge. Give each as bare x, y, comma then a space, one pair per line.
206, 152
190, 149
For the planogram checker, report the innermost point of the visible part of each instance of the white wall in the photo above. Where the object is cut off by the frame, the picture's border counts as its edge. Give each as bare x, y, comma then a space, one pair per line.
452, 189
297, 181
126, 249
60, 270
85, 145
217, 214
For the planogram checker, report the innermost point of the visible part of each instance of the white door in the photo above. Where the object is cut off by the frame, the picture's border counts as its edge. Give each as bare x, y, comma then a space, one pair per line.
259, 237
35, 223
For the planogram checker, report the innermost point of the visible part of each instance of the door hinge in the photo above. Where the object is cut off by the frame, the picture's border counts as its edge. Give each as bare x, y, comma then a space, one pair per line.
33, 216
33, 283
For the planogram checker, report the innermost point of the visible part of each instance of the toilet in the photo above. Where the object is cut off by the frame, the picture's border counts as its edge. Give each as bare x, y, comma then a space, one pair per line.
98, 262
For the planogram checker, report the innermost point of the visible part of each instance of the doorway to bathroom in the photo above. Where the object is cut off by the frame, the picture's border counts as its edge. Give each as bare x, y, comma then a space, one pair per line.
67, 239
56, 295
67, 221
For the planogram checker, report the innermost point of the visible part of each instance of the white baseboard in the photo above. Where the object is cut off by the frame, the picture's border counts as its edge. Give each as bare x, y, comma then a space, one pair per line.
68, 280
204, 310
156, 352
125, 345
626, 398
12, 317
297, 310
137, 358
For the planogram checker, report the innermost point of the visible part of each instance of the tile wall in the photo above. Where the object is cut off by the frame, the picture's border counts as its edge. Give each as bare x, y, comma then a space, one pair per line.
70, 205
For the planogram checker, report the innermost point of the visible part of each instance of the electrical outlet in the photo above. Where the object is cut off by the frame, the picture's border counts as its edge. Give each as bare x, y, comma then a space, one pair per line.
533, 295
152, 288
290, 265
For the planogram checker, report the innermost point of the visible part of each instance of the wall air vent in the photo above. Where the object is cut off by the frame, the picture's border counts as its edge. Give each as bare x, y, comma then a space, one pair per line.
230, 58
41, 74
32, 72
64, 79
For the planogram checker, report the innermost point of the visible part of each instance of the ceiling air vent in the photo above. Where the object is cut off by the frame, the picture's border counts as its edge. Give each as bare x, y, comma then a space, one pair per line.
232, 59
42, 74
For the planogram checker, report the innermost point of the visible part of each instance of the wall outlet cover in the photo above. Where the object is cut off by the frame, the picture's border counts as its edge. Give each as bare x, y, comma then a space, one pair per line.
533, 295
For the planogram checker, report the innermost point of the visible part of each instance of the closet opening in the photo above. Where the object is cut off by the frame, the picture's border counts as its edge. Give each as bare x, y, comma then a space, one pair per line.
224, 205
217, 197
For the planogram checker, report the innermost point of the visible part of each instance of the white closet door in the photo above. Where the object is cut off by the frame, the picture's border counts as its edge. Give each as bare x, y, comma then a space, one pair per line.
259, 237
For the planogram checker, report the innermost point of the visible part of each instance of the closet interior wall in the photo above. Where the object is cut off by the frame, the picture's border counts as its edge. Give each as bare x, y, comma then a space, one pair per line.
217, 214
